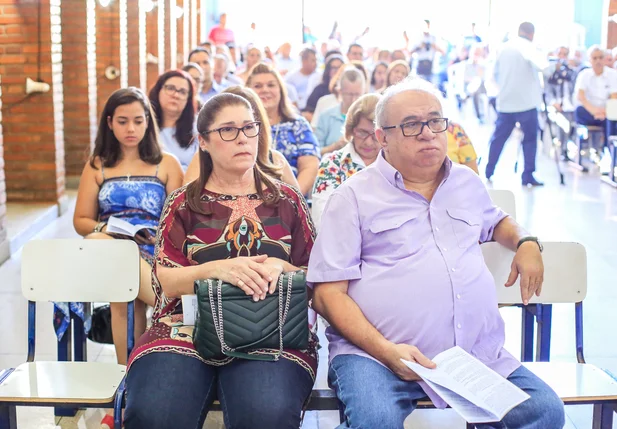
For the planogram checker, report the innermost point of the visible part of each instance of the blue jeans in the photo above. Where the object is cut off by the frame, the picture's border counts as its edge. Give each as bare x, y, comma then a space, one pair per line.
372, 396
169, 390
583, 117
503, 128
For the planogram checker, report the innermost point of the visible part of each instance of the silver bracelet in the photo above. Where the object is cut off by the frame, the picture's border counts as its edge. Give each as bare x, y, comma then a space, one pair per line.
99, 226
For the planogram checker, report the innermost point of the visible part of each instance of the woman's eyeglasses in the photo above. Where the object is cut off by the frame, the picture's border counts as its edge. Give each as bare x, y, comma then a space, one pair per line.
171, 90
363, 135
229, 134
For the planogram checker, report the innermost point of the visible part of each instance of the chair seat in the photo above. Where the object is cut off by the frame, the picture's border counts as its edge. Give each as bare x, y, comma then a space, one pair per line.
576, 383
63, 382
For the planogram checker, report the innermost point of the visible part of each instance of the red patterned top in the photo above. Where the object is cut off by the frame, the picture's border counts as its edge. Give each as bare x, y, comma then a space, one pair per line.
237, 226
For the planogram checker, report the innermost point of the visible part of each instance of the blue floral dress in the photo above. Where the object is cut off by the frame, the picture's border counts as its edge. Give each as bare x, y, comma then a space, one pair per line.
295, 139
138, 200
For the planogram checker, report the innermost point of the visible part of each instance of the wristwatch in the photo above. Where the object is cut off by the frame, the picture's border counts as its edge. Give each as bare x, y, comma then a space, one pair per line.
530, 238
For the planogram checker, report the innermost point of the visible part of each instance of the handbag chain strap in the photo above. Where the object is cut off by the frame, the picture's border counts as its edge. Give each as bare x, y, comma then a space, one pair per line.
217, 312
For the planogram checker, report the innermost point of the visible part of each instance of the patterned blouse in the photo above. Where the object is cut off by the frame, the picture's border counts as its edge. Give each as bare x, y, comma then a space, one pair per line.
237, 226
460, 149
334, 169
295, 139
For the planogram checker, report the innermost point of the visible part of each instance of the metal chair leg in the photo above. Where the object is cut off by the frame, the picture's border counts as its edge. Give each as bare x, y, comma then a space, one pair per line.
603, 416
8, 416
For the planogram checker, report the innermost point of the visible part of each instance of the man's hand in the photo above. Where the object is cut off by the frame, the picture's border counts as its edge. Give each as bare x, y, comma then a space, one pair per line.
528, 263
404, 351
599, 113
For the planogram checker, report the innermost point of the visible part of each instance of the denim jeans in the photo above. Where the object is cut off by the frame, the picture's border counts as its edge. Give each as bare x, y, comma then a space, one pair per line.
583, 117
372, 396
503, 128
170, 390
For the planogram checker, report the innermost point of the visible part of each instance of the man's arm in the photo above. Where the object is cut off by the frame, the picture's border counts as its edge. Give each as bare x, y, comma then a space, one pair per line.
527, 260
333, 303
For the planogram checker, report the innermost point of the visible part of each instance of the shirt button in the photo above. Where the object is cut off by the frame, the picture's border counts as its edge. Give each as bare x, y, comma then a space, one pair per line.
436, 229
445, 250
458, 326
458, 296
453, 269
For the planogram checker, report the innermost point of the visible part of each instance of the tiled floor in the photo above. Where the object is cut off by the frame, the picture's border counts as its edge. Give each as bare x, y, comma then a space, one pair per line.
584, 210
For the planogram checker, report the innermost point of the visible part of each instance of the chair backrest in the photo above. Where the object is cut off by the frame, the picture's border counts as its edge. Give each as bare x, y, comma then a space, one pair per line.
611, 109
505, 200
80, 270
565, 273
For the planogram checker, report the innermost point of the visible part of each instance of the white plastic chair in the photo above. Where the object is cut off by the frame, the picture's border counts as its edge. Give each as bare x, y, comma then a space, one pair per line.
74, 270
504, 199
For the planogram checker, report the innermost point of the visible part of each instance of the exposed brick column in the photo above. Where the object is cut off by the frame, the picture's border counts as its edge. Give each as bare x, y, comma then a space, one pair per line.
152, 47
79, 63
136, 44
107, 50
5, 251
169, 35
31, 43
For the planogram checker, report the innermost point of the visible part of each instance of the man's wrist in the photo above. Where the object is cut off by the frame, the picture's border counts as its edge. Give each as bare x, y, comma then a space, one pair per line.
532, 241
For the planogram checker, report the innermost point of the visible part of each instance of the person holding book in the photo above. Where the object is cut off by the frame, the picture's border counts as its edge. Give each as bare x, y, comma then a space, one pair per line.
398, 272
126, 179
269, 160
240, 226
174, 106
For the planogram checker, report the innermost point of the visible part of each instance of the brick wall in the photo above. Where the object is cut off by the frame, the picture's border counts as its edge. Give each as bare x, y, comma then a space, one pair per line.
31, 46
136, 45
107, 50
152, 47
78, 46
4, 244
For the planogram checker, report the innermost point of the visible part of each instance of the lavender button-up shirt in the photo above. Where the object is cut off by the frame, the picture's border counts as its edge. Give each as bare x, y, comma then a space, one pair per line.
415, 267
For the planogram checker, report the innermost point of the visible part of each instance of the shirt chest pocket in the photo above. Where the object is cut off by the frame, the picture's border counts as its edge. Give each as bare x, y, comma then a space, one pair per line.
466, 226
399, 236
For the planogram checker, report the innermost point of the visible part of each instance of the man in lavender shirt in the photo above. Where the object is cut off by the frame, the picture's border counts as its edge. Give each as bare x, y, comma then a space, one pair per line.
398, 272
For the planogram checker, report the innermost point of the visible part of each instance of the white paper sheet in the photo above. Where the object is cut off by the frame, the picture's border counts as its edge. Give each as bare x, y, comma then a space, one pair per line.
475, 391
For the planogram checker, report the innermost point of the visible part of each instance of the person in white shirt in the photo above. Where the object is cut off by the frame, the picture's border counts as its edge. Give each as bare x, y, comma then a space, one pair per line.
284, 62
594, 86
300, 78
517, 74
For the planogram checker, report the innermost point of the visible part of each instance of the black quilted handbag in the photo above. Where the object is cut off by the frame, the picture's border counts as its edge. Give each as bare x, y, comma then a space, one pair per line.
230, 323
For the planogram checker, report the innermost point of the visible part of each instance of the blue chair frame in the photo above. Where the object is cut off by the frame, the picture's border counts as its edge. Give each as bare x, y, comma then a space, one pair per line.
8, 419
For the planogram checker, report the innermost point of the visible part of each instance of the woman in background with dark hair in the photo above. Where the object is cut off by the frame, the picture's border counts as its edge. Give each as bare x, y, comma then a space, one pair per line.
127, 178
378, 77
333, 63
174, 105
236, 224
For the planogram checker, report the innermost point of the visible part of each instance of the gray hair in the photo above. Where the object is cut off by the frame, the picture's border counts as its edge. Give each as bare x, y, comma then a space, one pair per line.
594, 48
411, 83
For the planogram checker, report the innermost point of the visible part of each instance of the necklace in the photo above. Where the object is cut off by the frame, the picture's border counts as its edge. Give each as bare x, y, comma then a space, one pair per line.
128, 177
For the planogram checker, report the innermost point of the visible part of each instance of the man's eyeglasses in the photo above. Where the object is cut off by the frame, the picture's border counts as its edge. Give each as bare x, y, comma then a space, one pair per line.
171, 90
363, 135
415, 128
229, 134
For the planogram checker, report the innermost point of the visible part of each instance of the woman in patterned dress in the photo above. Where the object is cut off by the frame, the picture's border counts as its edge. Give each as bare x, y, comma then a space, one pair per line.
236, 224
360, 152
128, 178
293, 135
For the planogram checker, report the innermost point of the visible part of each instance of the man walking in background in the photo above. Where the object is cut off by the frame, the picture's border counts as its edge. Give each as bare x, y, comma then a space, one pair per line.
520, 93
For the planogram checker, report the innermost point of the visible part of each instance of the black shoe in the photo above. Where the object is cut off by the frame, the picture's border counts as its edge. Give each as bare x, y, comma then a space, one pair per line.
532, 182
